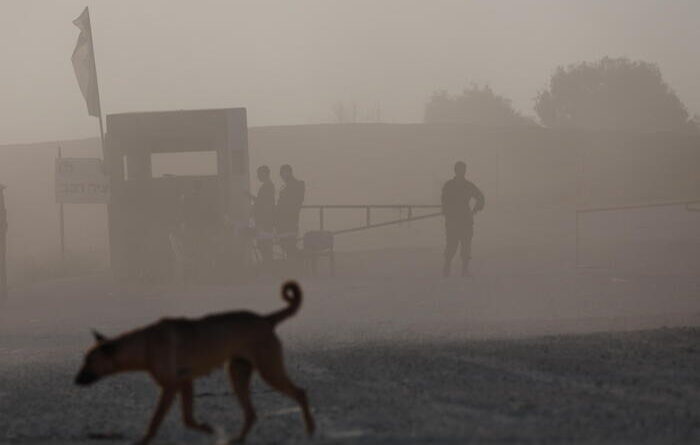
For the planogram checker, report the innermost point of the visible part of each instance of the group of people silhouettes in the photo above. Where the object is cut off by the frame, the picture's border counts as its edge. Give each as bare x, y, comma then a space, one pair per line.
277, 218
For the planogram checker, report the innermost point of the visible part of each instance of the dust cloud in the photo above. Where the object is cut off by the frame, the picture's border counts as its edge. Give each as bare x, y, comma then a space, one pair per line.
491, 208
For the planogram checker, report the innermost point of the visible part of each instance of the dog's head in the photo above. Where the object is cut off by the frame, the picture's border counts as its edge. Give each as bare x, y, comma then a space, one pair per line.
99, 361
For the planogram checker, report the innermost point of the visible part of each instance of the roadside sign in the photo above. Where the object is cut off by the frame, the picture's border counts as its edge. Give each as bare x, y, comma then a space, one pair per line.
81, 181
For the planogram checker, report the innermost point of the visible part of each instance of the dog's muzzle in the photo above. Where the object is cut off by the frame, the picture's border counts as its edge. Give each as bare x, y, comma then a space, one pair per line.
86, 378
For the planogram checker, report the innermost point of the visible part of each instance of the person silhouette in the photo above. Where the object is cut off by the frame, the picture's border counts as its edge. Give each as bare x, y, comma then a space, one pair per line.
291, 198
457, 195
264, 214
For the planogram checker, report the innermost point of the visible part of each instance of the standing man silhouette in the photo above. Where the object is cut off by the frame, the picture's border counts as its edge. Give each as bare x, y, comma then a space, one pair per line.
289, 203
457, 195
264, 215
3, 244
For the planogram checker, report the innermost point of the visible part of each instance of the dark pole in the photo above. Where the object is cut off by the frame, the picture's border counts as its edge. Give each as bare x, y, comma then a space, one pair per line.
62, 224
106, 166
3, 244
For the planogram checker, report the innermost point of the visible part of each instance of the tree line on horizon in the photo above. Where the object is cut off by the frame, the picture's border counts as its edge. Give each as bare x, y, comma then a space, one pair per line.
607, 94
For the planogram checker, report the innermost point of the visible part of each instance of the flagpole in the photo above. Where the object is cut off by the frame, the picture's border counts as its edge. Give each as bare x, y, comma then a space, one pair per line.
102, 138
102, 143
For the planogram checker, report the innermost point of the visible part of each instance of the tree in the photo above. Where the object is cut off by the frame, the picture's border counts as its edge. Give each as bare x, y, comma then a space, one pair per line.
476, 105
611, 94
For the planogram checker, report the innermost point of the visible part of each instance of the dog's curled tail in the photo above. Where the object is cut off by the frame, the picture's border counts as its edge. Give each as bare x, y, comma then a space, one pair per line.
291, 293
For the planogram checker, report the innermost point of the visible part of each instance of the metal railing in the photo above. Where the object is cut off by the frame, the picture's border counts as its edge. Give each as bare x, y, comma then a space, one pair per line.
322, 208
690, 206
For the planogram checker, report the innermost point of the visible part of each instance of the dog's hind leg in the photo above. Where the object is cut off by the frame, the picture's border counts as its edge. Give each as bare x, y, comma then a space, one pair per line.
240, 372
187, 399
270, 364
167, 396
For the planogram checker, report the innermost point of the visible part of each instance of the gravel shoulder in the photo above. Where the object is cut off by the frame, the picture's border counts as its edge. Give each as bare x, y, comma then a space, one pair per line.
633, 387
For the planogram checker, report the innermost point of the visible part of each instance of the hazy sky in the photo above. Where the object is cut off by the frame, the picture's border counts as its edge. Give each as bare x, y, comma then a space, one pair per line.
289, 62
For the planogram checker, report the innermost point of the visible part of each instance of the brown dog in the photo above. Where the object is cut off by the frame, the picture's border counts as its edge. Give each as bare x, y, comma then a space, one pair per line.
176, 351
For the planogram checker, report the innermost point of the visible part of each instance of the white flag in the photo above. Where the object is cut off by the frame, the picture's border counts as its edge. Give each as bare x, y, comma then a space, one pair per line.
84, 64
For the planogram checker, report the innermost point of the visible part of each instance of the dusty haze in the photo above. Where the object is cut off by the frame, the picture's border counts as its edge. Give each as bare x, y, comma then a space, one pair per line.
289, 63
577, 320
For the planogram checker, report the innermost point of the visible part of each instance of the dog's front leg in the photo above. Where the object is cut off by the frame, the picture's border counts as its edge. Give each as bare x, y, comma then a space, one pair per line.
167, 396
187, 399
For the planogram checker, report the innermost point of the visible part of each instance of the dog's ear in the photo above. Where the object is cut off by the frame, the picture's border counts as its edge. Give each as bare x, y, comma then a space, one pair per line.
99, 338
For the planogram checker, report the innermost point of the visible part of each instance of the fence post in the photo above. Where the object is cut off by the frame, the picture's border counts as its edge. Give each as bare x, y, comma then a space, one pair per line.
577, 239
3, 245
61, 220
